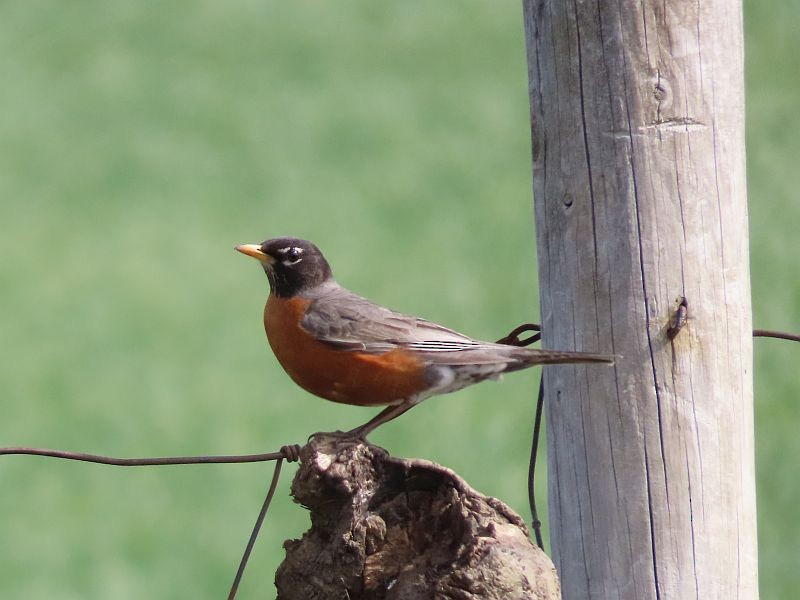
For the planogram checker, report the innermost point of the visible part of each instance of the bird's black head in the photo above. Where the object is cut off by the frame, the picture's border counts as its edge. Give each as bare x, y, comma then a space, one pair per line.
292, 265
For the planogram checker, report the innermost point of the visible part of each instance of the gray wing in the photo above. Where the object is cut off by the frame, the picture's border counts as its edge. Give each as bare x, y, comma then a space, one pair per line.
347, 321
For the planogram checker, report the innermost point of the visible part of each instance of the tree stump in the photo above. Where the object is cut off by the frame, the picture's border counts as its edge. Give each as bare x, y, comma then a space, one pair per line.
402, 529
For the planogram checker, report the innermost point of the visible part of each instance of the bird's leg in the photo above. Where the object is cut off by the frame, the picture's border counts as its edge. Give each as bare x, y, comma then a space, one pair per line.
387, 414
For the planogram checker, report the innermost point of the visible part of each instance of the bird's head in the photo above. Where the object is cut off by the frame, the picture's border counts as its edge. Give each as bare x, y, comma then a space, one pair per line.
292, 265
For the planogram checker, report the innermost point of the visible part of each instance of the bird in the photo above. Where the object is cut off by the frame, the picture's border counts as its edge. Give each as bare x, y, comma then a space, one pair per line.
344, 348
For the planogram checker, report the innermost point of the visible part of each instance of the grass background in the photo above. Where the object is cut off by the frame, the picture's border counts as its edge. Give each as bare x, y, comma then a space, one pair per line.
140, 142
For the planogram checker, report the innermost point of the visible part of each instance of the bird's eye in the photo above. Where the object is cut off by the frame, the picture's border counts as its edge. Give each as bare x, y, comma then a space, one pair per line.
293, 255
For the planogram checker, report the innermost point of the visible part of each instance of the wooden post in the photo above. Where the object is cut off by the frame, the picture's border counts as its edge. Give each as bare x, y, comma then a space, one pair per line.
639, 183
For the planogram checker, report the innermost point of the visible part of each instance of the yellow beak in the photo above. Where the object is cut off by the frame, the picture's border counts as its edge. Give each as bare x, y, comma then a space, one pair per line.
254, 250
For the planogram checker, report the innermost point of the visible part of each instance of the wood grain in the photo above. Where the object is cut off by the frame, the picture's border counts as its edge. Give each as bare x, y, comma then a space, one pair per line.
637, 113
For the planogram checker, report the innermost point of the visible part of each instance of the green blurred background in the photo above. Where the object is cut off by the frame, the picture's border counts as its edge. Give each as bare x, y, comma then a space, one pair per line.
140, 141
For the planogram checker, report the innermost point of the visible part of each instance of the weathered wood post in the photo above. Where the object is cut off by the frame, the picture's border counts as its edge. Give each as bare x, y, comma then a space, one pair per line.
637, 112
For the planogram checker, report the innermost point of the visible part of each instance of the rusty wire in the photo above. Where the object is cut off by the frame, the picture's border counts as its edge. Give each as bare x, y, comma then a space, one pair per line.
290, 453
537, 426
781, 335
144, 462
513, 339
256, 528
680, 319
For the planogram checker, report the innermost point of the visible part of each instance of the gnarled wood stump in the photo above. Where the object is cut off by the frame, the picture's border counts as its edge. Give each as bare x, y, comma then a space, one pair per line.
399, 529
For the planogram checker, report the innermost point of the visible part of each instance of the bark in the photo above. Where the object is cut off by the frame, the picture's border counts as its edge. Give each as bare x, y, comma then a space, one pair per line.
400, 529
637, 112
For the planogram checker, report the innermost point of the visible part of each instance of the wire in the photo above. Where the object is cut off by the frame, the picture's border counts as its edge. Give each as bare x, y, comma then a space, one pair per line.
537, 425
143, 462
781, 335
259, 521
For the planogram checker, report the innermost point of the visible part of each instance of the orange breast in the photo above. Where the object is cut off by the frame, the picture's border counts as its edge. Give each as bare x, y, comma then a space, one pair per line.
338, 375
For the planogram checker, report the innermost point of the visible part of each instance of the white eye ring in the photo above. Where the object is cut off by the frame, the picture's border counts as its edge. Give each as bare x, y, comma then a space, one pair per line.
293, 256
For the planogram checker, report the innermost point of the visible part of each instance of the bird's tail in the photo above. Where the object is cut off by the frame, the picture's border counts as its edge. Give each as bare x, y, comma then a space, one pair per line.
534, 356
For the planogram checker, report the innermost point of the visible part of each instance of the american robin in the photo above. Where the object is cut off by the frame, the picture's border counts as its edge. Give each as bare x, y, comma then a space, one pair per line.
342, 347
